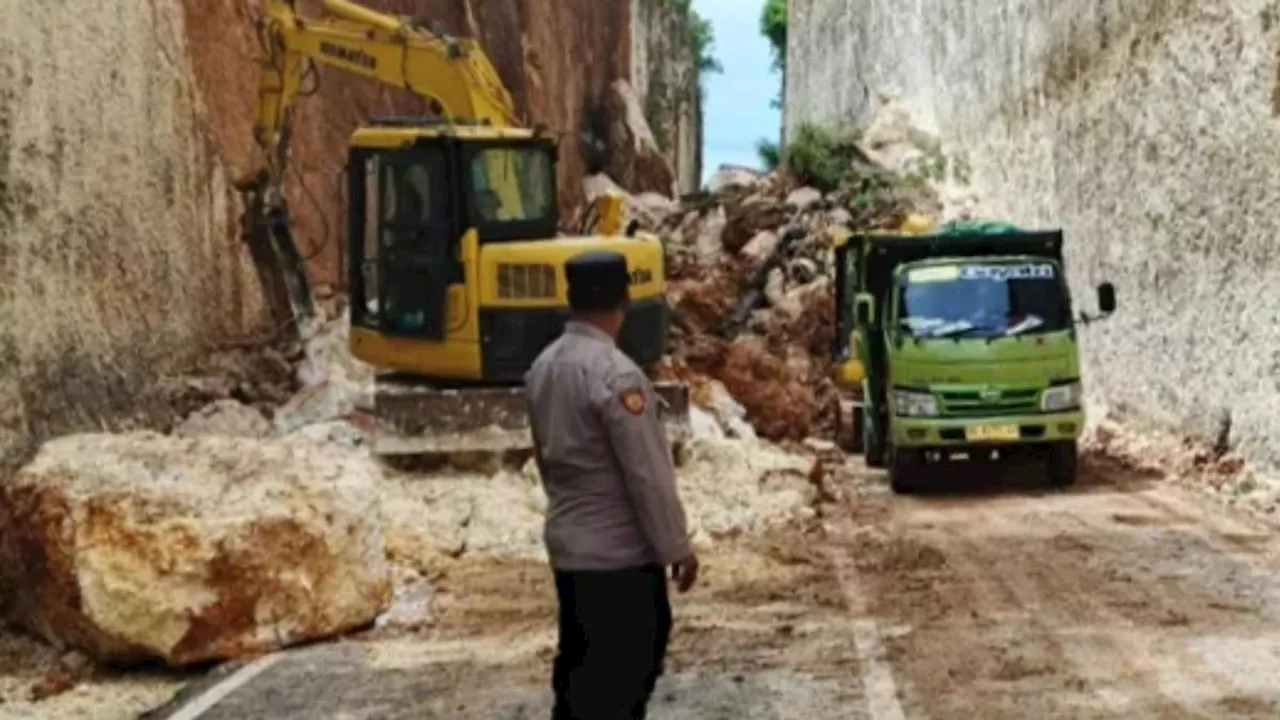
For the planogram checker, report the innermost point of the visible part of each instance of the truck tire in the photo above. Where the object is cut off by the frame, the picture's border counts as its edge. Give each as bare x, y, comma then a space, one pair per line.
1062, 461
905, 468
872, 442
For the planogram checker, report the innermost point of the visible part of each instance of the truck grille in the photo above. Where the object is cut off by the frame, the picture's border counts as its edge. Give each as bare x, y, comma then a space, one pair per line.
521, 281
972, 403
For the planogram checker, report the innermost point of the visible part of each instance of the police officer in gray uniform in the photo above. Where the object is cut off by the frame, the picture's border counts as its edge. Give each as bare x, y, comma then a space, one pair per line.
614, 522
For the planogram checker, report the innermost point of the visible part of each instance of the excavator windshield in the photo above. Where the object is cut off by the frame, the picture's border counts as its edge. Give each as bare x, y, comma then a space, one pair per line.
513, 190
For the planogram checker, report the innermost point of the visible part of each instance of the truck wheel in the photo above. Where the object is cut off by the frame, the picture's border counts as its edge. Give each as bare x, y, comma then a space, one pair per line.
1062, 462
905, 468
872, 445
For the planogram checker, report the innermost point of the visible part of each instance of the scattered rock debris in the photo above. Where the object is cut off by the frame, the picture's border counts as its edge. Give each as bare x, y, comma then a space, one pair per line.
1202, 464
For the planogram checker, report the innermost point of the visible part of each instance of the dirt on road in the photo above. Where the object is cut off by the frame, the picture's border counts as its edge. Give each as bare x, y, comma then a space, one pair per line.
1121, 597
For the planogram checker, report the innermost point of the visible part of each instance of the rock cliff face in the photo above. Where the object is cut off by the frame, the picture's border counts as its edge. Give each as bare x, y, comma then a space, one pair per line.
665, 74
1147, 130
116, 243
121, 129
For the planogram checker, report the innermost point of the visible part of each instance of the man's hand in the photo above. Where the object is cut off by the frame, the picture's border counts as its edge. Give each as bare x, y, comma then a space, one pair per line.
685, 572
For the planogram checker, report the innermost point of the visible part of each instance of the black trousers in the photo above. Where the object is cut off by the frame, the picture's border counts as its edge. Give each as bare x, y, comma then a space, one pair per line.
614, 629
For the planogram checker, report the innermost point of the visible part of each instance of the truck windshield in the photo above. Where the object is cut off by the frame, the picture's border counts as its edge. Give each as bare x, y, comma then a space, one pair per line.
982, 300
512, 186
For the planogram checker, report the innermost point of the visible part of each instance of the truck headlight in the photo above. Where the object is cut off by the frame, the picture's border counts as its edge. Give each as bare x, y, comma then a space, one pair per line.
912, 403
1061, 397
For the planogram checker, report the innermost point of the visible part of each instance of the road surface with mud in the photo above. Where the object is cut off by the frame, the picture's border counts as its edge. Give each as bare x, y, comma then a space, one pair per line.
1121, 597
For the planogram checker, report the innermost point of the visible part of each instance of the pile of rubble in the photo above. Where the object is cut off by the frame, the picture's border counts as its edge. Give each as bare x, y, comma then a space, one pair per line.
751, 267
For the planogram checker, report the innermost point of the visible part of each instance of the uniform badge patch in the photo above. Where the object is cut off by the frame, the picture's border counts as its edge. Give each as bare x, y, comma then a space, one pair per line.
633, 401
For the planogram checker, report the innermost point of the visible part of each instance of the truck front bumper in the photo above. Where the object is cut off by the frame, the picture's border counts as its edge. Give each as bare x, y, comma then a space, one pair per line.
960, 433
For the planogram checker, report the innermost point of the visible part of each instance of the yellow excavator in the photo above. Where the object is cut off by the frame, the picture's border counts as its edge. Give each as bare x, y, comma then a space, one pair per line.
453, 259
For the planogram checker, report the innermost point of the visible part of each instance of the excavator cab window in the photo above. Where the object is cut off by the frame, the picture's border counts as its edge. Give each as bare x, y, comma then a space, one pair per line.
512, 190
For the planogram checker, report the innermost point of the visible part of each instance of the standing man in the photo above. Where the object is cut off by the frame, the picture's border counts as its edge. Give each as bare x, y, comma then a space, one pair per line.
614, 520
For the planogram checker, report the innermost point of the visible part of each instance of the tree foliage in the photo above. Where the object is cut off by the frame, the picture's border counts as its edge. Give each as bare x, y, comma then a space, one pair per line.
773, 25
704, 41
770, 153
821, 156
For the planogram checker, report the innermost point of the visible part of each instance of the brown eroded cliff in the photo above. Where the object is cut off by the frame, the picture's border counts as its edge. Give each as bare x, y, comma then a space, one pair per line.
121, 129
557, 60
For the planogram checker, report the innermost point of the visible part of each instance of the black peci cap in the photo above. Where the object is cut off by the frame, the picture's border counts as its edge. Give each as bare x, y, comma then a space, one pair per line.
598, 281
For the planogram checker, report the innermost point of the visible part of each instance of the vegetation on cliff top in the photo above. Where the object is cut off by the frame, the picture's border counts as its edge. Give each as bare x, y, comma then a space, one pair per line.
821, 157
773, 26
702, 38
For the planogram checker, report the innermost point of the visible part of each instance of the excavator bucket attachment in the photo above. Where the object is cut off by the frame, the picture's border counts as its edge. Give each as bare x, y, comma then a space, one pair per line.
281, 269
423, 420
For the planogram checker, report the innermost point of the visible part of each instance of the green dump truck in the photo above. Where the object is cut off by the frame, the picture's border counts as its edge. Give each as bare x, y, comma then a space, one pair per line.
958, 341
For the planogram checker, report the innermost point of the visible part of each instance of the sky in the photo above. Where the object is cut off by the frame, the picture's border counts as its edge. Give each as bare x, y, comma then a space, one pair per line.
738, 112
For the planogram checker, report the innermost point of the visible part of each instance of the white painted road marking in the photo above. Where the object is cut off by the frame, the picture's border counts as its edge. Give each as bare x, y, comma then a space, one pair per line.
233, 682
877, 677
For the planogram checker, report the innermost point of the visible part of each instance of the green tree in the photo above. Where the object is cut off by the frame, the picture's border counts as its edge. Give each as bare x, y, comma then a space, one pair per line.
770, 153
773, 25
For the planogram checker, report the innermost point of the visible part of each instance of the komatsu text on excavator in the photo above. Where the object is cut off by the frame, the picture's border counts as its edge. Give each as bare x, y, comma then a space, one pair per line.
453, 261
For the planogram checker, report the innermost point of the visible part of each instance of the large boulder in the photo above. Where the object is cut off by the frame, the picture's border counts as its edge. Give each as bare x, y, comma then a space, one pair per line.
649, 209
730, 177
139, 547
225, 417
760, 248
893, 140
709, 243
803, 198
634, 159
748, 216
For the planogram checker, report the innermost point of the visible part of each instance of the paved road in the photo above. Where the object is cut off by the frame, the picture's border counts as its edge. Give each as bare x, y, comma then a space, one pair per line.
1119, 598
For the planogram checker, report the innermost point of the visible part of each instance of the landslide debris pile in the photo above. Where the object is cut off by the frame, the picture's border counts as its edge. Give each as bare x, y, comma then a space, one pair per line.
751, 270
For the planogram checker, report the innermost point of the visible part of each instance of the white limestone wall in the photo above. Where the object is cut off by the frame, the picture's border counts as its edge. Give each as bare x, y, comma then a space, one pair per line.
1147, 129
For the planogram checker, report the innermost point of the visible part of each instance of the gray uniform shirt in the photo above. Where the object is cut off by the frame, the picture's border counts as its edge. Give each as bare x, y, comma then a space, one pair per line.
604, 457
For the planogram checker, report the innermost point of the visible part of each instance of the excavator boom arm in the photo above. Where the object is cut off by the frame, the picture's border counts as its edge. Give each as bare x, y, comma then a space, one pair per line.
452, 72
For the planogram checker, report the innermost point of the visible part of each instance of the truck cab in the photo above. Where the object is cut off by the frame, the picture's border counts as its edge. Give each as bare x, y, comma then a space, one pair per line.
959, 343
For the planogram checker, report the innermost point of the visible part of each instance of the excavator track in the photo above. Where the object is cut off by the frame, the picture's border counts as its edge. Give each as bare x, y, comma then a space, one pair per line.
413, 418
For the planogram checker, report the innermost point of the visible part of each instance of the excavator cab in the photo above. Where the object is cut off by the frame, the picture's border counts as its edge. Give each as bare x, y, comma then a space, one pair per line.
456, 281
412, 205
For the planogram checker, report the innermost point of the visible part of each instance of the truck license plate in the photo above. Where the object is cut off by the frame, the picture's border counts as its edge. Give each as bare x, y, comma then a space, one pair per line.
990, 433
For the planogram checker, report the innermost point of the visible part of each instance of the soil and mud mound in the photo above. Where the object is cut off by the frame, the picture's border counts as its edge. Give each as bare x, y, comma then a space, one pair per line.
751, 269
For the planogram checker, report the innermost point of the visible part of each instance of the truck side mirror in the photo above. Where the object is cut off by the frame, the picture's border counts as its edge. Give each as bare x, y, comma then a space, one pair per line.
864, 308
1107, 298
